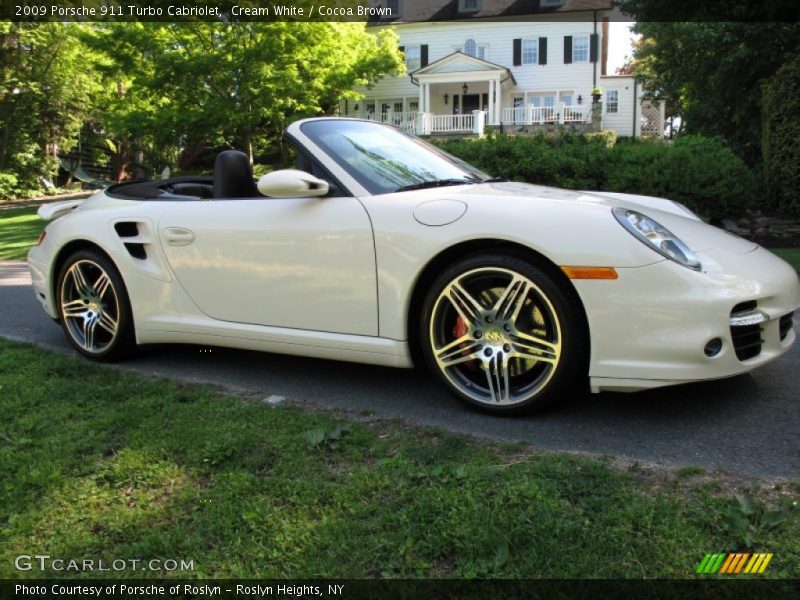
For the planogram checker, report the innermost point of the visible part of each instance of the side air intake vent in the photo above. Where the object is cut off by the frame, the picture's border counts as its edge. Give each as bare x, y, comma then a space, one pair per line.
786, 325
136, 250
746, 330
129, 230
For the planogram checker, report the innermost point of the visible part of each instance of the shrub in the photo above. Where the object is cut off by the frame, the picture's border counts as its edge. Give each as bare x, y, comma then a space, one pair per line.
8, 186
780, 141
700, 172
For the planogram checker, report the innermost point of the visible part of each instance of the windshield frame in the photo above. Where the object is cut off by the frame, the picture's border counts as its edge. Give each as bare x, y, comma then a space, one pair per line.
305, 129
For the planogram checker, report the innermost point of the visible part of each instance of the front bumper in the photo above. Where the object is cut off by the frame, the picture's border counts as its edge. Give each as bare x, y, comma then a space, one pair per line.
39, 267
650, 327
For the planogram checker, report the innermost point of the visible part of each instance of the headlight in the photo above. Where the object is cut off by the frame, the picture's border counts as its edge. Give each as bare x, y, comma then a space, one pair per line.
657, 237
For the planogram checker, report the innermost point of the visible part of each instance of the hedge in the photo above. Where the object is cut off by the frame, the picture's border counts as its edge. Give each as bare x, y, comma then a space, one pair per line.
780, 142
700, 172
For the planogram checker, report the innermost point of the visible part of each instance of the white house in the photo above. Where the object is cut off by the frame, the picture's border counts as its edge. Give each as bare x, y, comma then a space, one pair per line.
521, 62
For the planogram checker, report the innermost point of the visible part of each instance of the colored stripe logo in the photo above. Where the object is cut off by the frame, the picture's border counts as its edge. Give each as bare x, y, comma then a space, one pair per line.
734, 563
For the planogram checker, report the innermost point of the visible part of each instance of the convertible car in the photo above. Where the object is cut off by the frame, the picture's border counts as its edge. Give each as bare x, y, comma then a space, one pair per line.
379, 248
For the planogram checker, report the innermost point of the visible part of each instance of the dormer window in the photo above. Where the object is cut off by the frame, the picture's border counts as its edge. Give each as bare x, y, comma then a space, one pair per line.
470, 48
469, 5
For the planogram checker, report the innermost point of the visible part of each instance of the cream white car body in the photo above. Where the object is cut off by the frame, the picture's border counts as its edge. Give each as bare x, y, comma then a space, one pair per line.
335, 277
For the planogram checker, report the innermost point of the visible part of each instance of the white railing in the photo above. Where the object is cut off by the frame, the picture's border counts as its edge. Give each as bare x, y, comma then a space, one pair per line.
409, 126
529, 115
448, 123
577, 114
391, 117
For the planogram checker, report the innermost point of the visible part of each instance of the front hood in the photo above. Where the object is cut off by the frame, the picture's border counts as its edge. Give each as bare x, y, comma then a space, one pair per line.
698, 235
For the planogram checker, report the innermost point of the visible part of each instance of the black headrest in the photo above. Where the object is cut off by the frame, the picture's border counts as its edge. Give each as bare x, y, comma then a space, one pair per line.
233, 177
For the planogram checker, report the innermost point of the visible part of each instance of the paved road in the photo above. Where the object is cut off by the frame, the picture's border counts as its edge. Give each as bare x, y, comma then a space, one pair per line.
748, 424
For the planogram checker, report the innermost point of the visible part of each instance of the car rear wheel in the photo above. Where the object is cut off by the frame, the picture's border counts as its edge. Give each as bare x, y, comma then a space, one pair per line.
503, 334
94, 310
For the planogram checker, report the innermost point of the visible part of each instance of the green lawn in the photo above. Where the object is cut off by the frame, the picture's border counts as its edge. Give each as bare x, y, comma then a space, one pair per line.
95, 463
19, 230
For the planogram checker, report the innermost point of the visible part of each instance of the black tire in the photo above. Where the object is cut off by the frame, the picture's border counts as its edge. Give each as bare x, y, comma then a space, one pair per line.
514, 298
87, 314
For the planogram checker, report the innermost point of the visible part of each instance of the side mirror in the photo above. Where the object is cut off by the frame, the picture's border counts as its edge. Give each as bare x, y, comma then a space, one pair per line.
291, 183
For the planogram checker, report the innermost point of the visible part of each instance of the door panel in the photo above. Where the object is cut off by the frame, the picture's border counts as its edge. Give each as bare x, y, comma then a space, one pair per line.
306, 263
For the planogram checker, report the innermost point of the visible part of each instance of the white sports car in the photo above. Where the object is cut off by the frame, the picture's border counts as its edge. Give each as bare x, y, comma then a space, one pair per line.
380, 248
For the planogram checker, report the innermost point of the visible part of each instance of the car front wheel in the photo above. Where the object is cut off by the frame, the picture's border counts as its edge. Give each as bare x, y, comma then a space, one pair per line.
503, 334
93, 307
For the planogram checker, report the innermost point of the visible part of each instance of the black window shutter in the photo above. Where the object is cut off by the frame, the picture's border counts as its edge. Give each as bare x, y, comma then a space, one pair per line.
517, 52
542, 50
593, 39
423, 55
402, 49
567, 49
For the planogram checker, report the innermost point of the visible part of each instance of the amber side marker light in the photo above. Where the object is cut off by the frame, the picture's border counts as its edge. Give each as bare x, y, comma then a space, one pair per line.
590, 272
41, 237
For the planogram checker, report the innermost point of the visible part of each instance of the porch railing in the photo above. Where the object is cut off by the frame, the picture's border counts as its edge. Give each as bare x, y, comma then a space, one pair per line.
530, 115
426, 123
391, 117
451, 123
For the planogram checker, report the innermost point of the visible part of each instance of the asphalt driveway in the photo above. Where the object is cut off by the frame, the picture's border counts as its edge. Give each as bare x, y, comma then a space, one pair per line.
749, 424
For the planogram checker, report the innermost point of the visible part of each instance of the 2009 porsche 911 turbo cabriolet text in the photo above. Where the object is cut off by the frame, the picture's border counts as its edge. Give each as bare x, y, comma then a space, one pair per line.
380, 248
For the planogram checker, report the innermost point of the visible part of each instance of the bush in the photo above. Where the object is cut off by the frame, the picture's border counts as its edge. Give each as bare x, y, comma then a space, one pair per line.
700, 172
780, 141
8, 186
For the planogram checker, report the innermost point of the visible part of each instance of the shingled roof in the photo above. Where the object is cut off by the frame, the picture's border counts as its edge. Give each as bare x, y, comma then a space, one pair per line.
450, 10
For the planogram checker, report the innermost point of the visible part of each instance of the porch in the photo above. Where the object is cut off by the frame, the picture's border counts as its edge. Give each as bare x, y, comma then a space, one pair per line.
475, 121
462, 94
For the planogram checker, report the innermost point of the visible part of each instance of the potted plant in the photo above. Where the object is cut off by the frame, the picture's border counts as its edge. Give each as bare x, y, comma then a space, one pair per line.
596, 95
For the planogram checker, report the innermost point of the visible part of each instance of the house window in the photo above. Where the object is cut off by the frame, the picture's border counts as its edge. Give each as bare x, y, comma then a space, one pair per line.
530, 52
566, 98
580, 48
394, 7
369, 107
413, 58
612, 101
471, 48
413, 105
469, 5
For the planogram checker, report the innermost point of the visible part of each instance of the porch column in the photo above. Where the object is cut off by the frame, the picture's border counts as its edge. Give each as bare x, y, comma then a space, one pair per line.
421, 101
499, 87
427, 97
491, 115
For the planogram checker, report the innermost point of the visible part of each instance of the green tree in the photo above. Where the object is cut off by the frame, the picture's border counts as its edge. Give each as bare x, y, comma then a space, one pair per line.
47, 84
713, 72
202, 85
781, 136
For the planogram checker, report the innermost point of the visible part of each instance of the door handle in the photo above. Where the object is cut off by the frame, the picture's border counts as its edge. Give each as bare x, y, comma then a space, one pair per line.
178, 236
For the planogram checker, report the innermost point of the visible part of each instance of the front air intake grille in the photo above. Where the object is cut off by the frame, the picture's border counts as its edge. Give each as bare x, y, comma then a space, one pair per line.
746, 338
785, 325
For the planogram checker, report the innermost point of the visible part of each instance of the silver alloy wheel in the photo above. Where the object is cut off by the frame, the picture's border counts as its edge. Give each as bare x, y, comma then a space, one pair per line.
90, 306
495, 336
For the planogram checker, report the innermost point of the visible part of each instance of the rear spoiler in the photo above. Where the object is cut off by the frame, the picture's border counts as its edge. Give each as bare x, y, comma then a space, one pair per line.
54, 210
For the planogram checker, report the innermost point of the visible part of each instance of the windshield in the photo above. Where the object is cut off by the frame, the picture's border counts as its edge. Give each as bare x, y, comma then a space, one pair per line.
383, 159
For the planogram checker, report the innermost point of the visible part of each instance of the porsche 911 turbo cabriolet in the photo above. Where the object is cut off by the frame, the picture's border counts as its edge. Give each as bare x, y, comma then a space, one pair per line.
380, 248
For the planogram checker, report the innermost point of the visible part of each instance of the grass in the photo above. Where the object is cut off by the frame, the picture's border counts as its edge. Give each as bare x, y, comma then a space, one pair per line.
96, 463
20, 228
